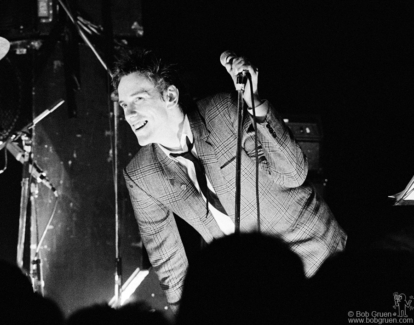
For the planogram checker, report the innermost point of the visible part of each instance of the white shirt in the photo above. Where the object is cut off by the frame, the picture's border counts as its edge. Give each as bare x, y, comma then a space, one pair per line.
224, 222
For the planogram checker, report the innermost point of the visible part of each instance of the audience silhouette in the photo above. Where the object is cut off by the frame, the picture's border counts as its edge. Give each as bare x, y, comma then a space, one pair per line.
247, 279
138, 313
244, 279
20, 305
361, 283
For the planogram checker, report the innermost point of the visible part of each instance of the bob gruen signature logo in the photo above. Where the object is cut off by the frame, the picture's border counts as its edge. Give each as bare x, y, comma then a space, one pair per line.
401, 304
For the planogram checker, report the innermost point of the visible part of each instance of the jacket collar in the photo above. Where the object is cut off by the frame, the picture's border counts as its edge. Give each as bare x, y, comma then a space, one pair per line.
200, 139
198, 126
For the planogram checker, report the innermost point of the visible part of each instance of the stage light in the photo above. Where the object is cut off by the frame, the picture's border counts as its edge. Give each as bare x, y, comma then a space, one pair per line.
130, 286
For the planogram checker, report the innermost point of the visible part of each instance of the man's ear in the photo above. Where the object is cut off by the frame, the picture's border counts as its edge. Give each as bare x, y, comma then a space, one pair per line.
172, 95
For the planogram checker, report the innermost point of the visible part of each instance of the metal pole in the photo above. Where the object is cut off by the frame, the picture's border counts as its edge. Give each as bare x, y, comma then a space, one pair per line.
24, 199
118, 259
84, 37
241, 80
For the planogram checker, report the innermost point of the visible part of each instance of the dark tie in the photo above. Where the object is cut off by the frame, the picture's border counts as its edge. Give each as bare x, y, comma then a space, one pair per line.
201, 178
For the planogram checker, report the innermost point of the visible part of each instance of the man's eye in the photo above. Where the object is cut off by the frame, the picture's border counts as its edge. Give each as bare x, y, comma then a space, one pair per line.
137, 99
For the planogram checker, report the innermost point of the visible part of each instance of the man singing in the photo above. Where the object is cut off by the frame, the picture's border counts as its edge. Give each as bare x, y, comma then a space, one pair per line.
186, 167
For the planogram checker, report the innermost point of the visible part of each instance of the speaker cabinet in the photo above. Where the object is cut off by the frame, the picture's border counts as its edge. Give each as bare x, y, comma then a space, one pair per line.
308, 133
78, 251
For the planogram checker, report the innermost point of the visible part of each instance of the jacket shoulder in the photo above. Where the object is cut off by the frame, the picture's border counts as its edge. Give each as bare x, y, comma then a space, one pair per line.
220, 98
141, 159
217, 104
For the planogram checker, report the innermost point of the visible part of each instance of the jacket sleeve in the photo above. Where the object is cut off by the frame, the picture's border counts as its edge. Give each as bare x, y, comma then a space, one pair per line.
280, 155
161, 239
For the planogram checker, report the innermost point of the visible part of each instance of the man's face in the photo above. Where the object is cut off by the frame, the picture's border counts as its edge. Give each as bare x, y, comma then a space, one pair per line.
145, 110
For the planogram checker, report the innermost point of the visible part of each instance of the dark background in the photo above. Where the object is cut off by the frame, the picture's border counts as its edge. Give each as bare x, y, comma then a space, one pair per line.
348, 62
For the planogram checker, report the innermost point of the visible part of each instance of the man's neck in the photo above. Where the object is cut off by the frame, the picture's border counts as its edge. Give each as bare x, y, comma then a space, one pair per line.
173, 143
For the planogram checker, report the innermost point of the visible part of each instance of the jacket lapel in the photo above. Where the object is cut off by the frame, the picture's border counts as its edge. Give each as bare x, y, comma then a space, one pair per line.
170, 169
207, 155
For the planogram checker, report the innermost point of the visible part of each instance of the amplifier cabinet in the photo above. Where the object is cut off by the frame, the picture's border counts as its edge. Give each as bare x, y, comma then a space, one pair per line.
308, 134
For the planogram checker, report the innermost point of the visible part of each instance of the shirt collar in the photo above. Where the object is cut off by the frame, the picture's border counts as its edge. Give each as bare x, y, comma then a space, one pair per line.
186, 133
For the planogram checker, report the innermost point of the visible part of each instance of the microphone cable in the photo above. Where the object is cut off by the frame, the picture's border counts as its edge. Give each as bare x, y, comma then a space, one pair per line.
249, 77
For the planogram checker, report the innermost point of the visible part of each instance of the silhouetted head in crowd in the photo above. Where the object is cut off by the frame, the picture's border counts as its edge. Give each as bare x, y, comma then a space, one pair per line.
243, 279
14, 282
19, 304
138, 313
364, 281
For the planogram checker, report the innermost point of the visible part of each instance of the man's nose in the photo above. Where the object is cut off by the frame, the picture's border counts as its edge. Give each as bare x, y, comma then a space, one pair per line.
130, 112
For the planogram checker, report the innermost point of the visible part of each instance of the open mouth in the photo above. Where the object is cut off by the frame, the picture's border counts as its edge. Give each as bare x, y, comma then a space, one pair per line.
140, 125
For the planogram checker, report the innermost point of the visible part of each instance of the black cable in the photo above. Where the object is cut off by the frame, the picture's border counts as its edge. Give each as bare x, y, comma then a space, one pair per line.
256, 155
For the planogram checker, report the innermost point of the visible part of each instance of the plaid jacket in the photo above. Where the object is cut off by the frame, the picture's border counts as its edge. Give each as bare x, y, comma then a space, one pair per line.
290, 208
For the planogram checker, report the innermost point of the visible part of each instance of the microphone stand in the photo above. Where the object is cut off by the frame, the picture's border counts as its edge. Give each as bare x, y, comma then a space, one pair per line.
241, 81
24, 199
36, 274
118, 258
